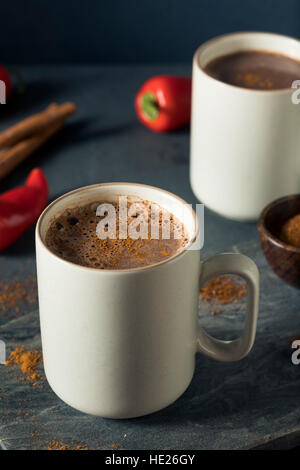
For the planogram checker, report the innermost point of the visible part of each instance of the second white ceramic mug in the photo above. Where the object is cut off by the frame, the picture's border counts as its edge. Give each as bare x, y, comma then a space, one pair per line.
245, 144
122, 343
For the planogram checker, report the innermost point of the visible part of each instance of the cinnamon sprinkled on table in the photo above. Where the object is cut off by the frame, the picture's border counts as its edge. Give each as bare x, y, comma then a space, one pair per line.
223, 290
27, 361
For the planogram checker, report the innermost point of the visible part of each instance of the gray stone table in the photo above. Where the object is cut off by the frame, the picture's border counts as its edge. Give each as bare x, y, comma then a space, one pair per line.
248, 404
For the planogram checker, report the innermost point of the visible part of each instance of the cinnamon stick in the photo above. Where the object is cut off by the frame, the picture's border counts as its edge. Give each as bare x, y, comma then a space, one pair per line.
38, 123
14, 155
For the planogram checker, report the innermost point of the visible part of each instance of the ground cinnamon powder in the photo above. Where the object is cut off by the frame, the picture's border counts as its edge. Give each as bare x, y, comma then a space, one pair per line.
55, 445
15, 293
28, 361
290, 231
223, 290
138, 249
250, 80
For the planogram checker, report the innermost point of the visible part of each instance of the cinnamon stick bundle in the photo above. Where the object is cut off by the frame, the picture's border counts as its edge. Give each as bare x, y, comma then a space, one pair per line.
36, 123
22, 139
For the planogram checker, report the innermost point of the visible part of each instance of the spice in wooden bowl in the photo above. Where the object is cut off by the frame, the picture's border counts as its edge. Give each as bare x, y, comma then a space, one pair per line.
290, 231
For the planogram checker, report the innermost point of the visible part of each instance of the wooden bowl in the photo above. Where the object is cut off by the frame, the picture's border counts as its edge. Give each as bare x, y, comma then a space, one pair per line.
283, 258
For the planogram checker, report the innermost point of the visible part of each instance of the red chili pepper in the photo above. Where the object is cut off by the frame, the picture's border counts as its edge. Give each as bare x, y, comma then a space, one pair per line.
20, 207
4, 76
164, 102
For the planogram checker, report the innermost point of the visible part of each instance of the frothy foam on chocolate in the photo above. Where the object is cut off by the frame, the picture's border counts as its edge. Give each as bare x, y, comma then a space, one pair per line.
72, 236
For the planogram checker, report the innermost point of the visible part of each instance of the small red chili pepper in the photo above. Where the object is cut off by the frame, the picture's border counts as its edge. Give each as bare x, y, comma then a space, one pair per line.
20, 207
164, 102
4, 76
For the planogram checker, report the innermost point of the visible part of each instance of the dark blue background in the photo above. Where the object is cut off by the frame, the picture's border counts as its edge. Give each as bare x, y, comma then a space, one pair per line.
141, 31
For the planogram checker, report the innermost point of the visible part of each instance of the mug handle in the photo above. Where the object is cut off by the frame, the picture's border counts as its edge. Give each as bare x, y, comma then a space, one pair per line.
231, 263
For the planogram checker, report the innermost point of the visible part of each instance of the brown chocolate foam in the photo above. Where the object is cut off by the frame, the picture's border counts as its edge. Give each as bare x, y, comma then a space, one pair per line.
72, 236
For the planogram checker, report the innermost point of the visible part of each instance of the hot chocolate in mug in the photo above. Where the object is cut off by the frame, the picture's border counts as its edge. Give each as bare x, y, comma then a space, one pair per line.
122, 343
245, 143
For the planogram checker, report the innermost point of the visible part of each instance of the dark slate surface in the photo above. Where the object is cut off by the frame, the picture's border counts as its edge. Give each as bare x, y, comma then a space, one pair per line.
227, 405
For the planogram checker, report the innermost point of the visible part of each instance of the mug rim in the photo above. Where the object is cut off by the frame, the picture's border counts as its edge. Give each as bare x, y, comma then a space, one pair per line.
203, 46
114, 271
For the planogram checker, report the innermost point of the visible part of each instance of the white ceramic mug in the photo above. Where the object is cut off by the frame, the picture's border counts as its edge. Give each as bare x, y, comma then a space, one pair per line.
245, 144
122, 343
